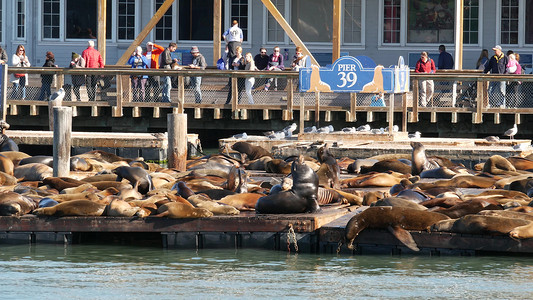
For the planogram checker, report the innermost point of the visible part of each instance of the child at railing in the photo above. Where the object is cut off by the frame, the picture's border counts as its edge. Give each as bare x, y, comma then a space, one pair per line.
377, 100
46, 79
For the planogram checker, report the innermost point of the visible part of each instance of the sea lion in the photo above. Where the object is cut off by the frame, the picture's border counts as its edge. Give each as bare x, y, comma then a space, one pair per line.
252, 152
100, 177
203, 201
394, 165
120, 208
6, 165
420, 161
522, 232
507, 214
278, 166
371, 180
15, 156
396, 219
440, 172
79, 164
459, 181
258, 164
373, 196
184, 191
102, 185
246, 201
522, 185
356, 166
328, 196
414, 195
469, 207
302, 197
7, 144
498, 165
329, 171
14, 204
521, 163
72, 208
61, 183
42, 159
103, 156
398, 202
47, 202
479, 224
179, 210
137, 176
7, 179
33, 172
404, 184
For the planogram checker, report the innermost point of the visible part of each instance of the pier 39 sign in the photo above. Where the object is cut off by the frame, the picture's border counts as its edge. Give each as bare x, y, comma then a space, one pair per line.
349, 74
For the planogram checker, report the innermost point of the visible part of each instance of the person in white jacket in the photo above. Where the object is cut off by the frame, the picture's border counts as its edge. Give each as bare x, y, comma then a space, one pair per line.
20, 80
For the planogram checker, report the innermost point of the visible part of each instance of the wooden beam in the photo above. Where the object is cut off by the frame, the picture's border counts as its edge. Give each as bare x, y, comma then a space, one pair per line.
337, 12
217, 30
288, 29
101, 36
144, 33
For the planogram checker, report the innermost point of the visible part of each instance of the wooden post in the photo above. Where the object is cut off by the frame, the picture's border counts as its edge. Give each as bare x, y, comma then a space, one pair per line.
146, 30
234, 93
317, 108
118, 112
51, 105
353, 107
290, 94
415, 101
101, 36
181, 94
480, 102
177, 141
391, 113
302, 112
337, 13
62, 141
217, 30
404, 112
5, 79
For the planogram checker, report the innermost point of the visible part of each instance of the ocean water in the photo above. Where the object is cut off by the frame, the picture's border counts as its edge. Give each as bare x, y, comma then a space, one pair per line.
46, 271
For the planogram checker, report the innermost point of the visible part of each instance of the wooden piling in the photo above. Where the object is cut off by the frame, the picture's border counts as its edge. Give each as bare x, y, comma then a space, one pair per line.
177, 141
51, 105
62, 140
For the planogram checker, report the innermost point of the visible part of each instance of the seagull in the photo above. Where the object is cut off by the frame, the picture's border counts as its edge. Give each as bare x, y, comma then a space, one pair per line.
415, 135
311, 129
289, 130
278, 135
511, 132
377, 131
492, 138
326, 129
348, 129
363, 128
395, 128
59, 95
241, 136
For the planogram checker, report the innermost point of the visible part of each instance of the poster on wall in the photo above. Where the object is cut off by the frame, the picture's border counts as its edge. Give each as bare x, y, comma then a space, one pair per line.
430, 21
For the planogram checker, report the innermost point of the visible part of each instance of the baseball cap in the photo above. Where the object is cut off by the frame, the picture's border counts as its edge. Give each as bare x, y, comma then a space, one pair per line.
497, 47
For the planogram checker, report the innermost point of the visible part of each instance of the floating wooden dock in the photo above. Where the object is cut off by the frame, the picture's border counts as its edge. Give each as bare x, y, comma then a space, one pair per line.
151, 146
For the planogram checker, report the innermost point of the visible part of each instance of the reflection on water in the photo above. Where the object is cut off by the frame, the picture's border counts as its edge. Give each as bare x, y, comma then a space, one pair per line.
113, 272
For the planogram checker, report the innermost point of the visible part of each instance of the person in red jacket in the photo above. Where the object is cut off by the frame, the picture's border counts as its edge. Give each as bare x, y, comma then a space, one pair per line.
93, 59
425, 65
152, 55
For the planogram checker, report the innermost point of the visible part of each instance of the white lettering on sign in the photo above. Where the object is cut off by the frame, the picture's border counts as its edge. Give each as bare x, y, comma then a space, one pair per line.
346, 78
347, 68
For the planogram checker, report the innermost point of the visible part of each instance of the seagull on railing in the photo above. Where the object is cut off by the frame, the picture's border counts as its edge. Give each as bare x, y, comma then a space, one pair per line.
511, 132
59, 95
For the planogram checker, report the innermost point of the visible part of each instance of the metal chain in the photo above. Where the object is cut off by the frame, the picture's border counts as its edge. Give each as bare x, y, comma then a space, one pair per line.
339, 247
291, 235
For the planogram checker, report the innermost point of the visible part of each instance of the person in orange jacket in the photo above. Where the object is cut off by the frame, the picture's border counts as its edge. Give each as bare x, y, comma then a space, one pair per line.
152, 55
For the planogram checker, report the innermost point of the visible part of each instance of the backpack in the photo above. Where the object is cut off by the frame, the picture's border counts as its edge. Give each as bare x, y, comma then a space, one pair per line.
220, 64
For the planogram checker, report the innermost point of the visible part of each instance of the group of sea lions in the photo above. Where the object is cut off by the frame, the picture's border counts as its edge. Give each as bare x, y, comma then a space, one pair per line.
400, 192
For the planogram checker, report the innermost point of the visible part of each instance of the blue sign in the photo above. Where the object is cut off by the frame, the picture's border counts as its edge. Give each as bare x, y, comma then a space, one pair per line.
347, 74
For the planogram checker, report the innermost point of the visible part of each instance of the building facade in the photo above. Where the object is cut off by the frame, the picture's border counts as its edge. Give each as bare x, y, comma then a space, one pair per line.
380, 29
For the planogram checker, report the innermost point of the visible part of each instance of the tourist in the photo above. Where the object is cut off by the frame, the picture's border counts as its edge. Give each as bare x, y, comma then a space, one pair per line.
483, 59
93, 59
233, 37
138, 82
77, 80
275, 63
199, 63
377, 100
46, 79
261, 59
237, 64
445, 59
425, 65
497, 65
513, 87
3, 56
249, 84
152, 53
20, 80
165, 62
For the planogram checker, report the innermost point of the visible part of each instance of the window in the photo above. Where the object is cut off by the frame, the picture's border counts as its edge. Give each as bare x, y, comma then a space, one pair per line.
1, 21
430, 21
509, 22
352, 21
529, 22
274, 31
239, 12
51, 9
21, 19
391, 21
312, 20
196, 20
81, 19
163, 28
471, 22
126, 19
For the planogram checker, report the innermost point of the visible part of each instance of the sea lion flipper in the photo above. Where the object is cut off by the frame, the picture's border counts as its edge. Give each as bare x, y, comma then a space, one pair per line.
404, 236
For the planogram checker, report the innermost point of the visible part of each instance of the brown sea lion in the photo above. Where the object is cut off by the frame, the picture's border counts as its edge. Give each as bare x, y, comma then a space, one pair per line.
522, 185
459, 181
278, 166
387, 165
355, 167
398, 202
87, 195
120, 208
103, 156
507, 214
469, 207
7, 179
498, 165
79, 189
15, 156
302, 197
6, 165
258, 164
102, 185
203, 201
33, 172
420, 161
101, 177
14, 204
441, 202
522, 232
72, 208
396, 219
329, 171
79, 164
245, 201
179, 210
373, 196
479, 224
137, 176
60, 183
42, 159
252, 152
521, 163
371, 179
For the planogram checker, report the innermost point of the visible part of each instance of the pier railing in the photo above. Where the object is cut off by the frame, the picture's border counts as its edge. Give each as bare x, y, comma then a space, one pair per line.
454, 92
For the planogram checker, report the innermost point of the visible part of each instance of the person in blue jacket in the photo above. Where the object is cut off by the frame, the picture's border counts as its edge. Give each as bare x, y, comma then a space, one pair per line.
138, 82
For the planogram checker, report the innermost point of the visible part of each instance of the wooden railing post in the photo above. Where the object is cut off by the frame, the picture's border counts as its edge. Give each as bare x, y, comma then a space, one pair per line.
117, 111
415, 101
353, 107
302, 113
234, 93
479, 102
317, 108
181, 94
404, 112
62, 141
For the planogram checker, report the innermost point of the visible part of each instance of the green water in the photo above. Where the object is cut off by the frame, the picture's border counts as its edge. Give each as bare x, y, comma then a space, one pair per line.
126, 272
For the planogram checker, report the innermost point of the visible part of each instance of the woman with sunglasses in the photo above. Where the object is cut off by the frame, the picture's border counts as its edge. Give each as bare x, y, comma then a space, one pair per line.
20, 80
275, 63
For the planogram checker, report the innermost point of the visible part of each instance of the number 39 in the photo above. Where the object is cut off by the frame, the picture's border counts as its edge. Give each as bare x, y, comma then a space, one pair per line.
351, 78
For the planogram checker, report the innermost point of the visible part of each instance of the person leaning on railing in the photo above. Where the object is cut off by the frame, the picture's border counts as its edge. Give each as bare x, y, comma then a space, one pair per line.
165, 62
249, 84
3, 56
93, 59
46, 79
153, 51
20, 81
198, 62
138, 82
497, 65
425, 65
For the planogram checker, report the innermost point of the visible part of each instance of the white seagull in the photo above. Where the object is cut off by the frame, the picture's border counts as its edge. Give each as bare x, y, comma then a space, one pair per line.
289, 130
59, 95
511, 132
